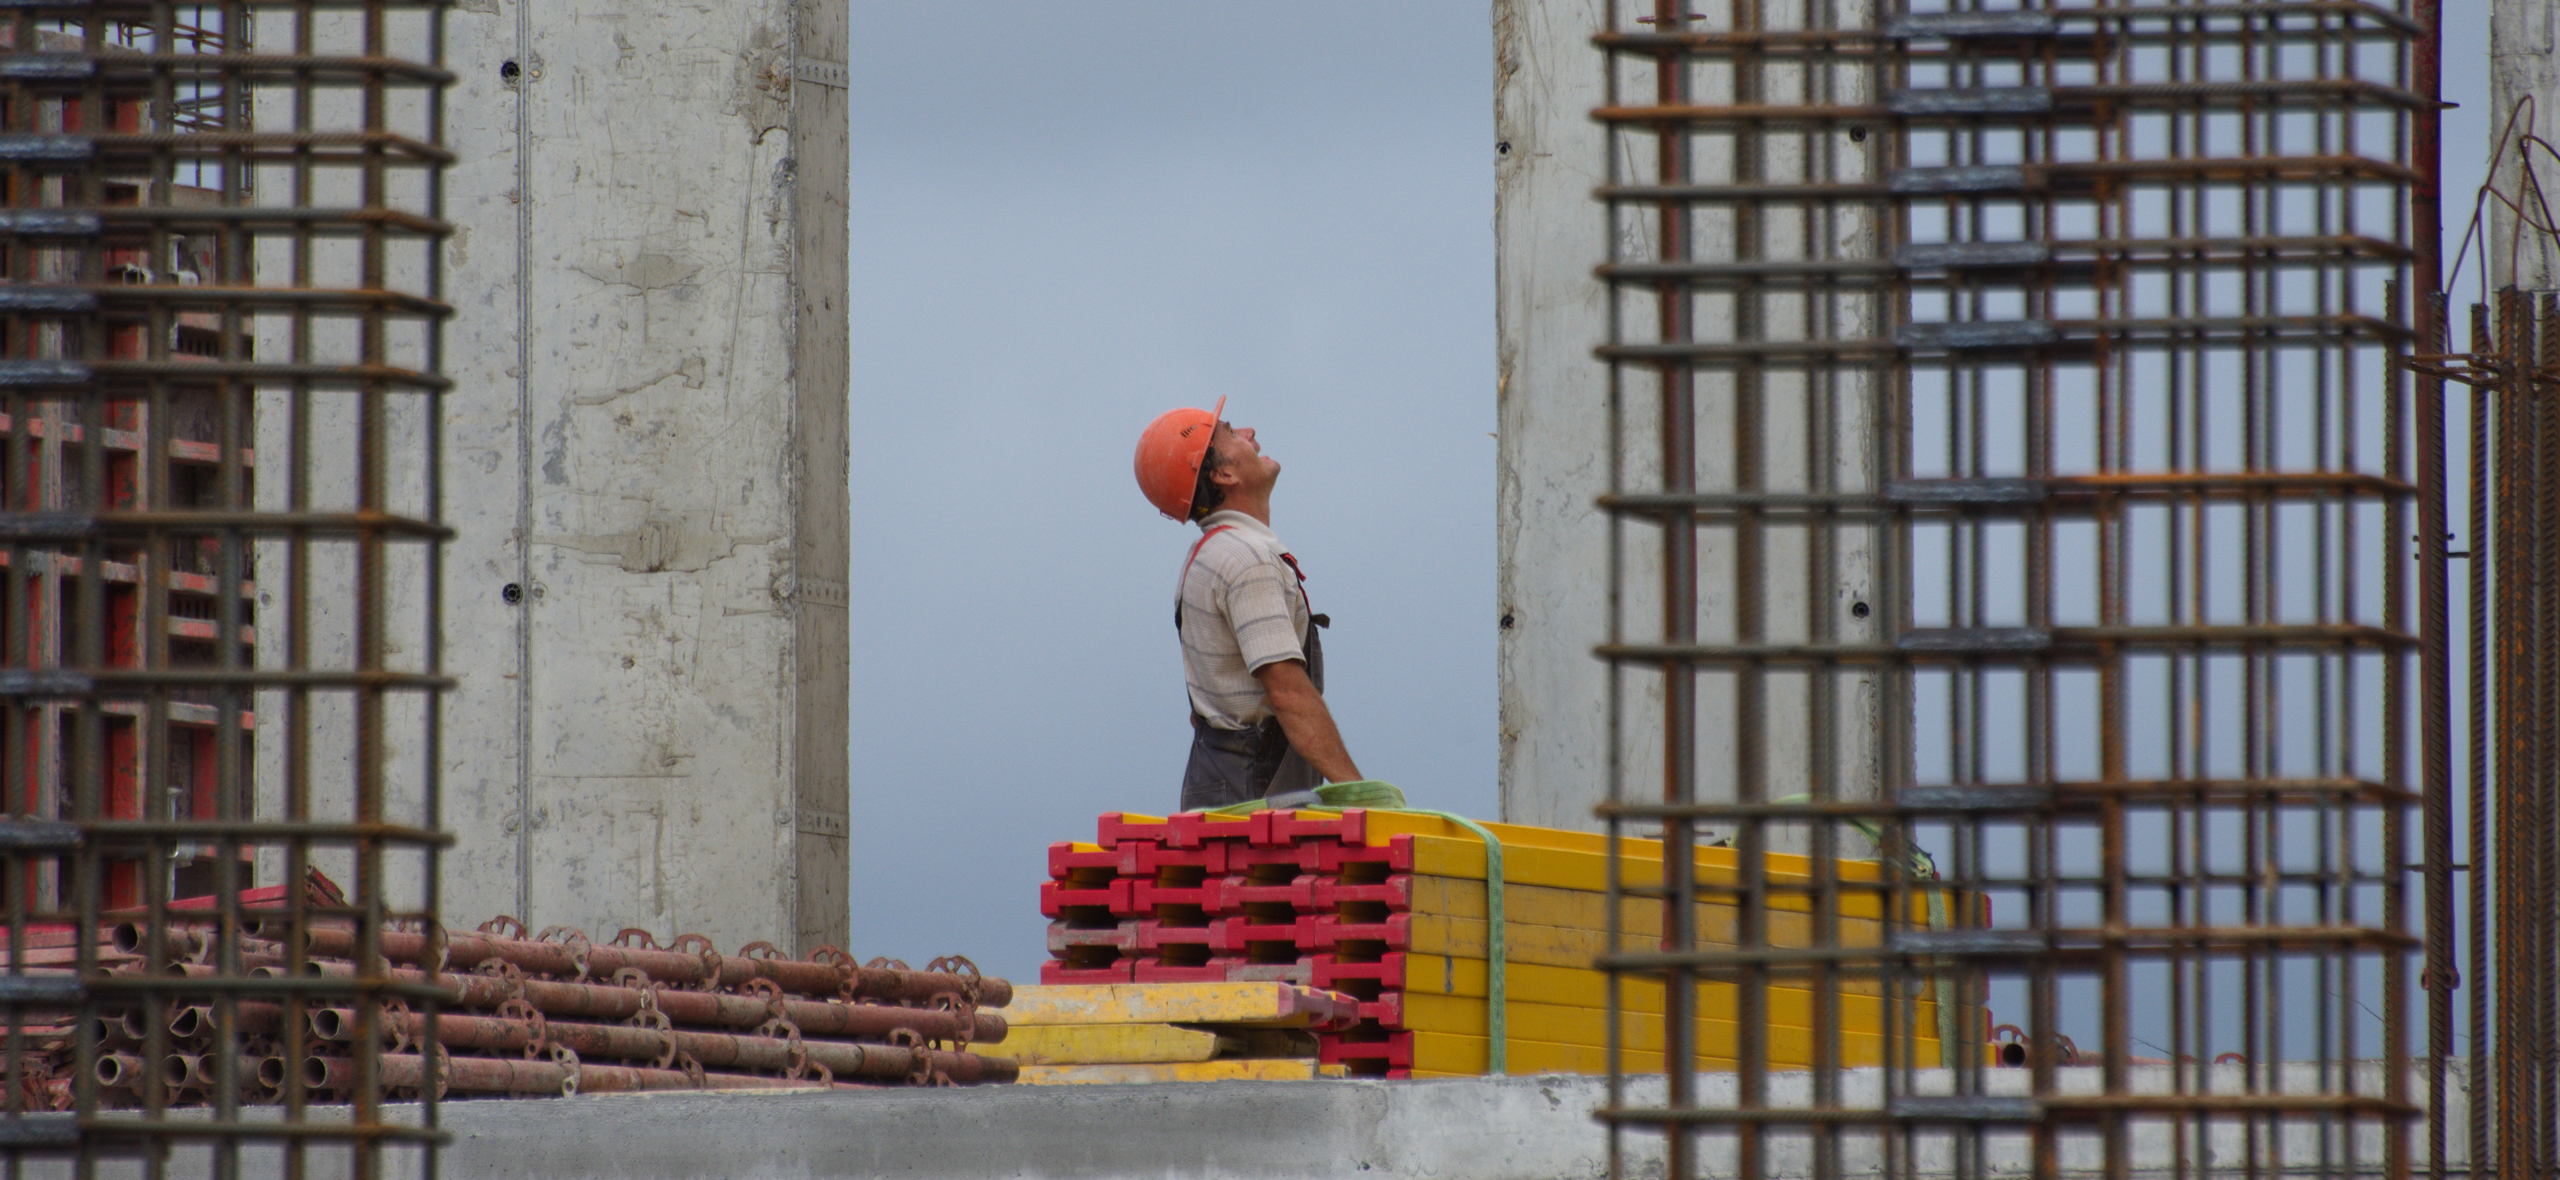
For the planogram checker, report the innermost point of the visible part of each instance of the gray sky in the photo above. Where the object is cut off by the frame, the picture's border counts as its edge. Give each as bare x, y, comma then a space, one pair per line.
1066, 219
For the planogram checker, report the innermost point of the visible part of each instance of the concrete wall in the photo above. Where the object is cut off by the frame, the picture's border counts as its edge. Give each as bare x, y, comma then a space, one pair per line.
647, 442
1529, 1128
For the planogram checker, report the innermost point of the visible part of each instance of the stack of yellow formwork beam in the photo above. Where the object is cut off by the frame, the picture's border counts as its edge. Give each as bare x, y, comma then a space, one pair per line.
1392, 906
1172, 1032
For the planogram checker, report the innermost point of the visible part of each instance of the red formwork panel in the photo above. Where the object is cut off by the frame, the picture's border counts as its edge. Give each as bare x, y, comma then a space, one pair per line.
1394, 1050
1235, 893
1220, 934
1056, 973
1395, 893
1188, 829
1278, 828
1065, 862
1141, 898
1335, 972
1323, 932
1057, 897
1146, 858
1066, 937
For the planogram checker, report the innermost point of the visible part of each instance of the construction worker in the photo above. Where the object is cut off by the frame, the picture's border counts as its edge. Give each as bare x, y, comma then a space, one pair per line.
1250, 657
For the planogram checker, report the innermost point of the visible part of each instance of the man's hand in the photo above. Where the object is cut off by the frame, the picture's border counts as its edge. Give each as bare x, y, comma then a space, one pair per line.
1304, 718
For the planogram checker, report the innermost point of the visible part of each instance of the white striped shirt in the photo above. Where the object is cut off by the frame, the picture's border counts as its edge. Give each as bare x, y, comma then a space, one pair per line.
1242, 609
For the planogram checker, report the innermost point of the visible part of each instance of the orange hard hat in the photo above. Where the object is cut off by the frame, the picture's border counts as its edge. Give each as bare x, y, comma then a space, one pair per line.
1170, 452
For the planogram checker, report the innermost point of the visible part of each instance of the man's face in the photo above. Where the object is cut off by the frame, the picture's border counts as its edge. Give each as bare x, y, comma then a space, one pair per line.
1246, 466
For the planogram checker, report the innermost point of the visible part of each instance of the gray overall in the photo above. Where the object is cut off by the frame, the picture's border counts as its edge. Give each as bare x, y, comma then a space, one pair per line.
1233, 765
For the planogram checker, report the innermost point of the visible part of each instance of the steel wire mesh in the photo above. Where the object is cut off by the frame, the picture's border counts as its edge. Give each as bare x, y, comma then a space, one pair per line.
220, 225
2012, 460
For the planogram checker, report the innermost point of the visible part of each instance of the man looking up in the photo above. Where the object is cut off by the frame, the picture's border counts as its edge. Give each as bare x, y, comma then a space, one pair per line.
1250, 656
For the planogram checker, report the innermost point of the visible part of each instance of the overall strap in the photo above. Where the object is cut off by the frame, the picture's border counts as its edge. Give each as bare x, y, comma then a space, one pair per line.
1186, 570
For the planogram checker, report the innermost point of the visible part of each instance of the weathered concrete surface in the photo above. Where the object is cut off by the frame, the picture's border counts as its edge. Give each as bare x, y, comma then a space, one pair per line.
646, 442
1533, 1128
2522, 65
1552, 449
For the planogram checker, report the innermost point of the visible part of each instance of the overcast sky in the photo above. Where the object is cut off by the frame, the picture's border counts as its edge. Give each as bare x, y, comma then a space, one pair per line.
1068, 218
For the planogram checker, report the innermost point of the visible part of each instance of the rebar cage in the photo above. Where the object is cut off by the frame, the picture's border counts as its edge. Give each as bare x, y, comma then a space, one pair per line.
221, 236
2493, 948
2011, 463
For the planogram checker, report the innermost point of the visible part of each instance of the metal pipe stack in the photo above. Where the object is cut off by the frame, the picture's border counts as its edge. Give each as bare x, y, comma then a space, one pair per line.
1391, 907
553, 1014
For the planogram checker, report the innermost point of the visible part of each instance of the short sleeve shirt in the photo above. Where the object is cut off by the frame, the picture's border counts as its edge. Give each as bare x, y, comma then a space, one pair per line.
1242, 610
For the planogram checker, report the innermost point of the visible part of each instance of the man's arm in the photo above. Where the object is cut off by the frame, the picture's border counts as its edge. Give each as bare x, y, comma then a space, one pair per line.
1305, 719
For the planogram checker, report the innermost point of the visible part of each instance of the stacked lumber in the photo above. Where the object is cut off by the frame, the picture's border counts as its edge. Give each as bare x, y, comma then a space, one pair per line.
1392, 906
1173, 1032
549, 1015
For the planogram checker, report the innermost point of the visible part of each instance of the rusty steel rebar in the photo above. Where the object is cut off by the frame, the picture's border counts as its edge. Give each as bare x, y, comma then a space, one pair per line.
626, 1042
2046, 510
581, 959
499, 1075
2510, 825
605, 1001
188, 295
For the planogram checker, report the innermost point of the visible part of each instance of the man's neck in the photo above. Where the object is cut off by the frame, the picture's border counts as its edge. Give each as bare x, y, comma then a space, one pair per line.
1257, 507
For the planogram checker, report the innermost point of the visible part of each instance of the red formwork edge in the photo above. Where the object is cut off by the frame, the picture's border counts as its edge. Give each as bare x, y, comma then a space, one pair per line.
1146, 934
1065, 861
1145, 858
1225, 969
1216, 897
1186, 829
1395, 893
1332, 972
1057, 896
1396, 1050
1055, 972
1318, 932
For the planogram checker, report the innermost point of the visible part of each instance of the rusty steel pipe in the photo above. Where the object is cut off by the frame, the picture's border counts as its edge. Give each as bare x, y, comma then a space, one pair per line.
499, 1075
464, 951
815, 1018
118, 1070
255, 1019
184, 1070
711, 1049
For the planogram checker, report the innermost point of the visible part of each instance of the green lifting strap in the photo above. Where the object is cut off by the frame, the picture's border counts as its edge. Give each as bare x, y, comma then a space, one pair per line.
1372, 795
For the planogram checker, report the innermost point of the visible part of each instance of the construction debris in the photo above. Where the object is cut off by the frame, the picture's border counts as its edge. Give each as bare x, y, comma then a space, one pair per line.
1174, 1032
1392, 908
555, 1014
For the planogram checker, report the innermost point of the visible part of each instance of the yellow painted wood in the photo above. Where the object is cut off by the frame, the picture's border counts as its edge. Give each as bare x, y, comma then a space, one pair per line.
1437, 975
1454, 1055
1560, 869
1541, 905
1583, 987
1555, 946
1104, 1044
1281, 1069
1264, 1004
1788, 1045
1718, 865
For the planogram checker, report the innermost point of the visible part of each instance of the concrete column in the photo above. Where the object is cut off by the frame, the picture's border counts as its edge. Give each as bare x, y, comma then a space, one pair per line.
2521, 66
646, 453
1554, 454
1551, 452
